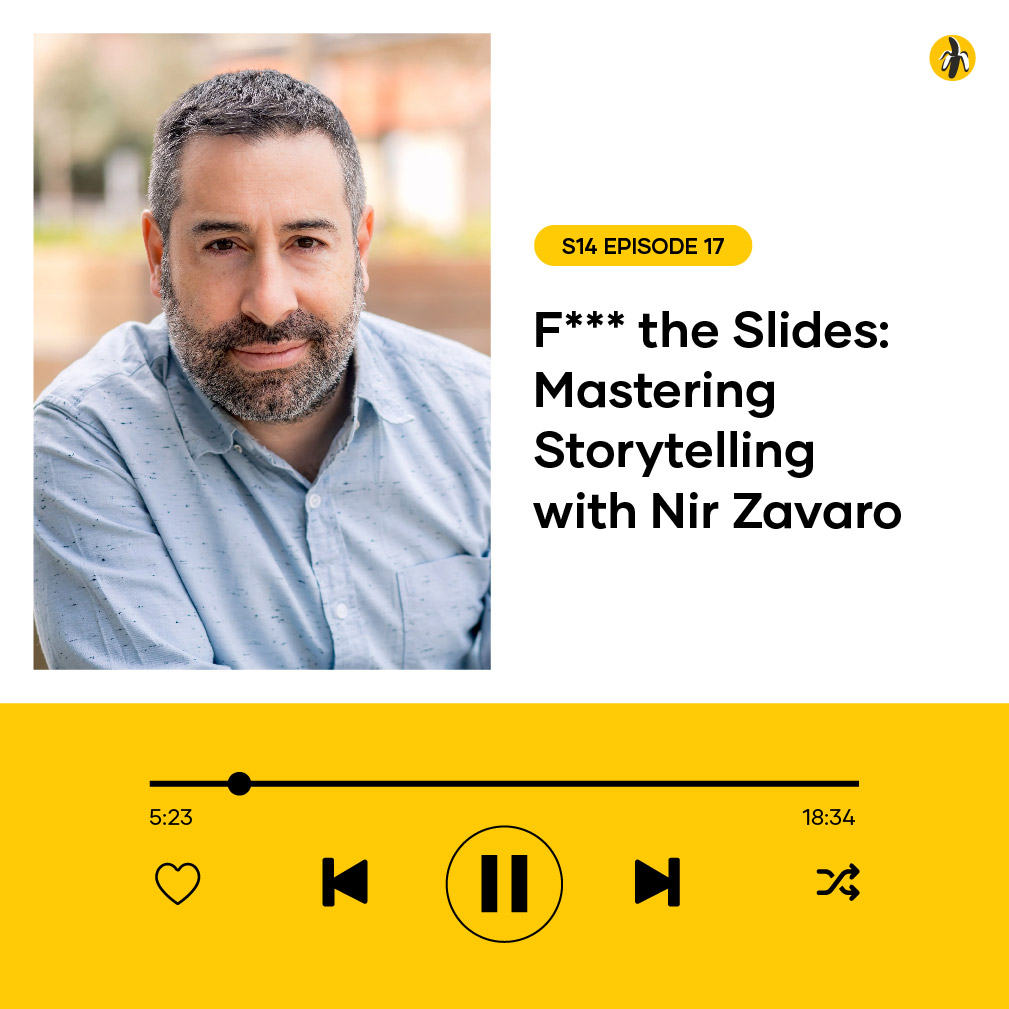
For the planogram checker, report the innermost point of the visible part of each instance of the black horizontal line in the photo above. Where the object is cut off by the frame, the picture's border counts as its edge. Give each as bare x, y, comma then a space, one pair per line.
514, 784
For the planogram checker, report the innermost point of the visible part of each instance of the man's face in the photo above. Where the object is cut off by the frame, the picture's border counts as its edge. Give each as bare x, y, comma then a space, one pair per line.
262, 281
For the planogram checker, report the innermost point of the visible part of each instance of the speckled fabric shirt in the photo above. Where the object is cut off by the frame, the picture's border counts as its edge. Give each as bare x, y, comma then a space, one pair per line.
166, 536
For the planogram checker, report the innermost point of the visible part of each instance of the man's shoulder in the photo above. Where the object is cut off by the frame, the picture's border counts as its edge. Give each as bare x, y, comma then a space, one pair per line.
419, 354
440, 385
130, 359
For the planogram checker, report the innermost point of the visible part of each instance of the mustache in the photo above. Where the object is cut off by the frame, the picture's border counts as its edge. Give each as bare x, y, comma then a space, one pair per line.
243, 331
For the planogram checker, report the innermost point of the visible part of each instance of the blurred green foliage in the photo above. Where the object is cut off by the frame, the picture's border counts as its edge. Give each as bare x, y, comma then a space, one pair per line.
392, 241
95, 108
87, 239
398, 241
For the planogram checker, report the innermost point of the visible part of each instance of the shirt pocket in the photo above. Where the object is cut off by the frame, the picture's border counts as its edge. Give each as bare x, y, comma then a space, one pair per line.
442, 605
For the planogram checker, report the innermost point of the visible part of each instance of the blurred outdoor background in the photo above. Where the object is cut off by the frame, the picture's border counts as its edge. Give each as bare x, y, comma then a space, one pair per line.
419, 106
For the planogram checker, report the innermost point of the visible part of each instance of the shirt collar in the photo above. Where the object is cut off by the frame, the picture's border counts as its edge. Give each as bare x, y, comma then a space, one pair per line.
207, 428
376, 383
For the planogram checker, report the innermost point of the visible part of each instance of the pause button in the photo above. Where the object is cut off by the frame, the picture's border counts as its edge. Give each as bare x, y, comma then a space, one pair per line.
504, 883
519, 887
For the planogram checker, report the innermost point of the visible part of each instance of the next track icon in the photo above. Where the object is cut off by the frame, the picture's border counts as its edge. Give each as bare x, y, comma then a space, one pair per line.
648, 882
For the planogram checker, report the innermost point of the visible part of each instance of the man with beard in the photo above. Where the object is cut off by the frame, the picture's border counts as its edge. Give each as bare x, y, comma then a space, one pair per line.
264, 476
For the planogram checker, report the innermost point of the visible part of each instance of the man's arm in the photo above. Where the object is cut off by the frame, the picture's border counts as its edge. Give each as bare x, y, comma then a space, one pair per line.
107, 594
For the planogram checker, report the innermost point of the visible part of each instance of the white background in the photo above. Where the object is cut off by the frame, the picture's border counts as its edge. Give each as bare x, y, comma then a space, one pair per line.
872, 190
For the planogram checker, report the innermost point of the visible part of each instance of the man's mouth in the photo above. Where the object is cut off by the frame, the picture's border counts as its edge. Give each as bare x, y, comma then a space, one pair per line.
264, 356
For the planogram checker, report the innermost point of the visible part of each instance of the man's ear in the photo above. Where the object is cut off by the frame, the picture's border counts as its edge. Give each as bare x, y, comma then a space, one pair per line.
365, 231
155, 246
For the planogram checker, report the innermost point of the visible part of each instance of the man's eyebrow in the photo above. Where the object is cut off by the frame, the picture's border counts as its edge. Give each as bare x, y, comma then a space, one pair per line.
309, 224
205, 227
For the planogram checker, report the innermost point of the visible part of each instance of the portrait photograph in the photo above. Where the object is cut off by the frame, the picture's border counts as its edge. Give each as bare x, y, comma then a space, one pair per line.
262, 339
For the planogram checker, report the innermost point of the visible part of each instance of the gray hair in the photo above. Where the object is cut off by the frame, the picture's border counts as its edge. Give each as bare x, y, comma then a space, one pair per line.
250, 103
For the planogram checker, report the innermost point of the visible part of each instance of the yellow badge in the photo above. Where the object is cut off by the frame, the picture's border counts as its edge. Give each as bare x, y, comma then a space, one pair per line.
952, 57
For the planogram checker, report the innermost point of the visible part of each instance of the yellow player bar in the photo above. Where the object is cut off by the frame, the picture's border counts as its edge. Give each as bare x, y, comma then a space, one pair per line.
493, 855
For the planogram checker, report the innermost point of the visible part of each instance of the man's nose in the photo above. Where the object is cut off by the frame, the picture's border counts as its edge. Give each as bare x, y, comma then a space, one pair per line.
269, 296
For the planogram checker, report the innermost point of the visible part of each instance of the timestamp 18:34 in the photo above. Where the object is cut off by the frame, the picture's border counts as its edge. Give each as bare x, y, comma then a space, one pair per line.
827, 817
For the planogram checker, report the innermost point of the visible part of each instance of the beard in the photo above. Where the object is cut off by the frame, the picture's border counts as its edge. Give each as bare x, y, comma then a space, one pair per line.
278, 394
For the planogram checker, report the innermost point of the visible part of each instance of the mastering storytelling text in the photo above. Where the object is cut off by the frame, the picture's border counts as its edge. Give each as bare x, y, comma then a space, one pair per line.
738, 448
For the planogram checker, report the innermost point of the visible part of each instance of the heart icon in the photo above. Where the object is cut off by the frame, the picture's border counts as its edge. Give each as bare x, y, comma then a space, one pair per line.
177, 882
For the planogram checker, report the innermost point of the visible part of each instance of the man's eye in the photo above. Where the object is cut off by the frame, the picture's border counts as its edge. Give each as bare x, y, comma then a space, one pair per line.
307, 243
221, 245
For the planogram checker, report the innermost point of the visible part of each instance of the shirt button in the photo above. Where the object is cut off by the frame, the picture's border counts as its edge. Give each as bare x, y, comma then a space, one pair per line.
342, 611
314, 500
237, 447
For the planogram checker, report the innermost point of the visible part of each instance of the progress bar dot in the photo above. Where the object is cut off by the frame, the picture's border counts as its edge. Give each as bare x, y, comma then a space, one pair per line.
239, 783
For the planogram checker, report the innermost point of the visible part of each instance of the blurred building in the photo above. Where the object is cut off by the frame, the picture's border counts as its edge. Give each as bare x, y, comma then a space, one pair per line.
419, 107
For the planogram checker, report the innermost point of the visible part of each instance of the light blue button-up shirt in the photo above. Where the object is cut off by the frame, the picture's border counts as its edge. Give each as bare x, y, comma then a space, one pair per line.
167, 536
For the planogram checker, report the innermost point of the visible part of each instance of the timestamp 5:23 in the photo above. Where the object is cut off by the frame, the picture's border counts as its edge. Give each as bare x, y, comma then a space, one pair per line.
171, 817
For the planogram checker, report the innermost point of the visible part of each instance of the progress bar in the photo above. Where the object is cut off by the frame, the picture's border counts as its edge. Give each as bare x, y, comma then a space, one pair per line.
240, 783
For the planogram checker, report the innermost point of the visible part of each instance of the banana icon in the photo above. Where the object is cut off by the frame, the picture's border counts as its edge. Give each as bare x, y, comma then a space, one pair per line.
952, 58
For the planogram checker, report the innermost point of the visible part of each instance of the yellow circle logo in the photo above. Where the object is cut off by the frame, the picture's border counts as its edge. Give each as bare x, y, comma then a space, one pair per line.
952, 58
